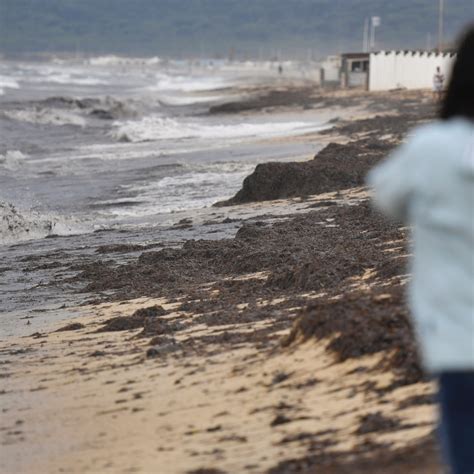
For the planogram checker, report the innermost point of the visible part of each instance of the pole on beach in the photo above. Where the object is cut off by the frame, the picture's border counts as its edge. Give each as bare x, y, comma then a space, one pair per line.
440, 25
365, 40
374, 22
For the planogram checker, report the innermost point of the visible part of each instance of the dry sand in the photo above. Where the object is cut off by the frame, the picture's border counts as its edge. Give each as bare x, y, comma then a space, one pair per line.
81, 401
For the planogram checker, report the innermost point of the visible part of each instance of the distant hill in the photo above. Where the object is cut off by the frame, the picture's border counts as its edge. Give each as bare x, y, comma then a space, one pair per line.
251, 28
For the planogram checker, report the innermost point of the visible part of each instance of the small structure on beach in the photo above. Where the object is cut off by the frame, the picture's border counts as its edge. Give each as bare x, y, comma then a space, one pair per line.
354, 69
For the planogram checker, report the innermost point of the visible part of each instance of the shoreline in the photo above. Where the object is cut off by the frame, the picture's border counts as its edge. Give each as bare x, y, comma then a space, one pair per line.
214, 343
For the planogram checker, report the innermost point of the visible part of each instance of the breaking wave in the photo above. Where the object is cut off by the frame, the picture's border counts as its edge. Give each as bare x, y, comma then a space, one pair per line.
12, 159
46, 116
17, 226
179, 100
111, 60
69, 79
188, 83
155, 127
194, 186
7, 83
63, 110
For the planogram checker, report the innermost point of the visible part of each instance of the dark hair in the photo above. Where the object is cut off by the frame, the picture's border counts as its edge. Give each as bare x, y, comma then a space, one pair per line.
459, 99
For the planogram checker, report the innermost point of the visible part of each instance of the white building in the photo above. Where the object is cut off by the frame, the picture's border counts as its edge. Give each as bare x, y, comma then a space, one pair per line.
406, 69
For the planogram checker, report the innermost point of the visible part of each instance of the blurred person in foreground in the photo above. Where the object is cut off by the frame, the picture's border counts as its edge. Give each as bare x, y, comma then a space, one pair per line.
429, 183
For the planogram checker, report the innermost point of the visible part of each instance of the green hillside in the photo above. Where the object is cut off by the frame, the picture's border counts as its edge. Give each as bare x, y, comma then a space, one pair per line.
214, 27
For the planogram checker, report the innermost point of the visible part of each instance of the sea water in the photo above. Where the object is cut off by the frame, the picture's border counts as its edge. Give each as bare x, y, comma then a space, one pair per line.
88, 144
121, 146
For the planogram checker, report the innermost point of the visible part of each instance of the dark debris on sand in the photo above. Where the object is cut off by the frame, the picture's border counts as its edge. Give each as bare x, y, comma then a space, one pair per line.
343, 251
297, 258
361, 324
376, 422
142, 318
306, 97
337, 166
71, 327
334, 168
367, 457
274, 98
326, 250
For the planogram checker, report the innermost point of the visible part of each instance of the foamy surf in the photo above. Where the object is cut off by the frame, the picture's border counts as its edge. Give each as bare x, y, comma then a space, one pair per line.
175, 100
20, 225
155, 127
177, 157
12, 159
46, 116
112, 60
191, 187
68, 79
8, 83
188, 83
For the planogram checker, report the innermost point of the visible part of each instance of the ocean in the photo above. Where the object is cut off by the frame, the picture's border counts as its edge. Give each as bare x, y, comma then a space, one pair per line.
124, 146
110, 141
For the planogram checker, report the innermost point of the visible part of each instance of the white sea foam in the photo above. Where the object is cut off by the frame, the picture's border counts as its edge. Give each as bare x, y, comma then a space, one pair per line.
8, 83
48, 73
188, 83
190, 100
155, 127
20, 225
161, 128
68, 78
77, 81
111, 60
46, 116
12, 159
196, 187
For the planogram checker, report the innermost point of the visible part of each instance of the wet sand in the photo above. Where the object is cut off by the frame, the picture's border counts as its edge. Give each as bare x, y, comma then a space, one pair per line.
286, 348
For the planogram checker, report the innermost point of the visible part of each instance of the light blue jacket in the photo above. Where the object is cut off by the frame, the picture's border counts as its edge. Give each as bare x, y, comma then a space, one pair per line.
429, 183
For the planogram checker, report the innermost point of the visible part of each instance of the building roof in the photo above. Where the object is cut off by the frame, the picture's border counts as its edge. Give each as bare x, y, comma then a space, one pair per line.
355, 55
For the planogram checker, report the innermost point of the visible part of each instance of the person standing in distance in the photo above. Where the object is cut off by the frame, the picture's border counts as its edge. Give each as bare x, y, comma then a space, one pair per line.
438, 84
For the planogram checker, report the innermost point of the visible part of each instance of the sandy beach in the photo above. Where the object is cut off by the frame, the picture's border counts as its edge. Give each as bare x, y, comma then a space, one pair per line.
265, 334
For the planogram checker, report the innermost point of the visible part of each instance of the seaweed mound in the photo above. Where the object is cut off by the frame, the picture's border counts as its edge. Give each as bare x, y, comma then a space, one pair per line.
360, 324
139, 319
334, 168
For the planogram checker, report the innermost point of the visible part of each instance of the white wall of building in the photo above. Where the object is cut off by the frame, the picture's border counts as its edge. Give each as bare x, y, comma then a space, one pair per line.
332, 68
406, 69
